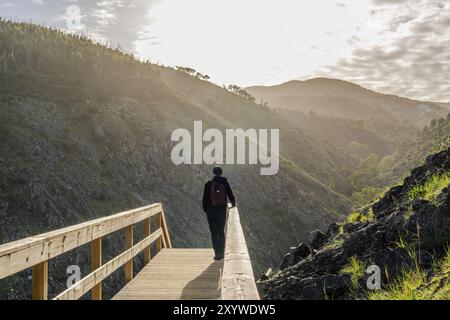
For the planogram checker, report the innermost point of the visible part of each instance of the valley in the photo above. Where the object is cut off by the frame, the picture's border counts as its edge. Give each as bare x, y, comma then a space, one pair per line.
85, 132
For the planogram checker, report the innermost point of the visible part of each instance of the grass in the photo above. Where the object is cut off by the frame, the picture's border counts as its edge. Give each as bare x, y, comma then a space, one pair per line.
356, 268
431, 188
439, 286
371, 215
413, 284
408, 213
336, 243
401, 243
360, 217
445, 263
352, 218
403, 289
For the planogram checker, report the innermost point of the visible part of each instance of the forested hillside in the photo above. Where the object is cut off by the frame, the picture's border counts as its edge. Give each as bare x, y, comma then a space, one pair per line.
357, 119
376, 173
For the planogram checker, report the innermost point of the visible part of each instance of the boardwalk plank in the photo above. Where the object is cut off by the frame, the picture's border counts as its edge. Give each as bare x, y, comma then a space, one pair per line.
176, 274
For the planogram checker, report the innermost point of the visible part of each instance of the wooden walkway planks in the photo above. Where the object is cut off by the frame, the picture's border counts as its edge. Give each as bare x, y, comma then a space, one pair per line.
176, 274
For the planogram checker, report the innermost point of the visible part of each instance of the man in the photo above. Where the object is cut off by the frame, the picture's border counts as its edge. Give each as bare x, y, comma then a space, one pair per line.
215, 204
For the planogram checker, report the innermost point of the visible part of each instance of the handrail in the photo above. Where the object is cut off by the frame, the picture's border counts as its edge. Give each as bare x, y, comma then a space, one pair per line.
35, 252
238, 281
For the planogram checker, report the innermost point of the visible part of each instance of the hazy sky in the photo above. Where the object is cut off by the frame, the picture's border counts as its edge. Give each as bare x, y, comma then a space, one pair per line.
393, 46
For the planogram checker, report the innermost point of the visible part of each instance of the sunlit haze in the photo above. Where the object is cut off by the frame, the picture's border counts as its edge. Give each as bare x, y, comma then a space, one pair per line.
393, 46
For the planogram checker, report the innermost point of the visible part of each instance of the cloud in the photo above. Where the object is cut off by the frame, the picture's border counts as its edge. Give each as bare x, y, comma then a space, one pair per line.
413, 62
394, 46
119, 21
113, 21
381, 2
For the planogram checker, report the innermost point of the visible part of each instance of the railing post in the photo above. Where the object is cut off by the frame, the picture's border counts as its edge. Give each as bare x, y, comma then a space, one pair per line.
158, 226
55, 243
40, 281
167, 242
147, 232
128, 245
96, 263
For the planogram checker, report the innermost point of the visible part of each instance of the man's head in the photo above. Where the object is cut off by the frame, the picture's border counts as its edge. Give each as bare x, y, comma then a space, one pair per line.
217, 171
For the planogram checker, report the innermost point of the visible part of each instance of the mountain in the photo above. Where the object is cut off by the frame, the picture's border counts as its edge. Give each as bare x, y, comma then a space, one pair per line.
396, 248
344, 99
85, 131
388, 118
413, 151
445, 105
389, 135
354, 136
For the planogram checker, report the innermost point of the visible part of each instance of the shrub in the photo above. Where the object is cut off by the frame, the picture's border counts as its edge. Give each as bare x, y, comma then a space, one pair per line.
431, 188
356, 268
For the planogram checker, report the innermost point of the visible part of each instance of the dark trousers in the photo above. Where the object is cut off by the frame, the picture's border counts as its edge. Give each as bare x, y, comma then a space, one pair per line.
216, 220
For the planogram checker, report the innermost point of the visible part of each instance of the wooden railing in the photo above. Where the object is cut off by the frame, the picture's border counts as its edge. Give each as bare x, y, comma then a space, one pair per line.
238, 281
35, 252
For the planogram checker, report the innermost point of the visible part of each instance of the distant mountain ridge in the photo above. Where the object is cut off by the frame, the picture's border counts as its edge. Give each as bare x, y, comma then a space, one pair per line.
360, 121
345, 99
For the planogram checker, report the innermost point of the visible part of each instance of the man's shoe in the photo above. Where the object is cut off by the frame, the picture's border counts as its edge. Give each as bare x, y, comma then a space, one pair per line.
218, 257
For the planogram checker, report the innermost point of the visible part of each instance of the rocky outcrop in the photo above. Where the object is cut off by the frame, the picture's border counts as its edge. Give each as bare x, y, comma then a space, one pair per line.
296, 255
317, 239
402, 233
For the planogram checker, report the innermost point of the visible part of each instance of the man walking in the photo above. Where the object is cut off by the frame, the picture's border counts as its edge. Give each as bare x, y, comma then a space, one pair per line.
215, 204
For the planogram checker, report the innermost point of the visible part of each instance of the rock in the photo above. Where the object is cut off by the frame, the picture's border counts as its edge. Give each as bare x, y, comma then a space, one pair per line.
419, 203
316, 239
333, 230
386, 242
384, 207
296, 255
352, 227
425, 259
265, 276
324, 287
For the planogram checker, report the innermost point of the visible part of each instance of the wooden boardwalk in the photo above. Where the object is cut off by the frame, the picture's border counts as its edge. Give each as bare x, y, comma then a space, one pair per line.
168, 274
176, 274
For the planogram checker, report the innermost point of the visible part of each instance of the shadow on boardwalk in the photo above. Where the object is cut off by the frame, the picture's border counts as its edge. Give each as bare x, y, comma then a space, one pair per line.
206, 285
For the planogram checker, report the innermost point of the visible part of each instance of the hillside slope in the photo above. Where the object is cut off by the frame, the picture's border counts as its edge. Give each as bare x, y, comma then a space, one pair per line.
388, 119
85, 132
406, 234
352, 135
433, 138
345, 99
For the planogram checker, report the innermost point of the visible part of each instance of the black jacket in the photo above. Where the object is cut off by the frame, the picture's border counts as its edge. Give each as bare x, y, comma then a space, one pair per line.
207, 192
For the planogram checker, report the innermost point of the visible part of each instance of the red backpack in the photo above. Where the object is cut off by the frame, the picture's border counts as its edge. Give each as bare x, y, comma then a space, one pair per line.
218, 194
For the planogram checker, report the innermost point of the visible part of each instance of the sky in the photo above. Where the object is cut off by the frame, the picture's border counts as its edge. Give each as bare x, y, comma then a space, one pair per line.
398, 47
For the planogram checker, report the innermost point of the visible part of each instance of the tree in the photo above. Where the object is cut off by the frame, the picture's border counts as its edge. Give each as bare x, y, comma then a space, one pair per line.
365, 196
366, 173
189, 71
192, 72
240, 92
